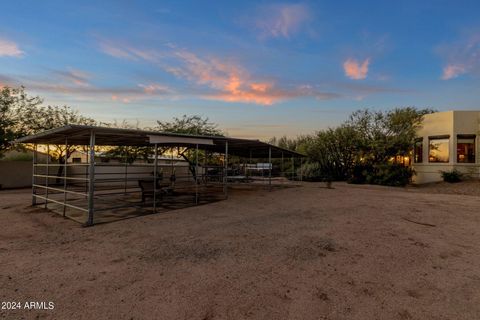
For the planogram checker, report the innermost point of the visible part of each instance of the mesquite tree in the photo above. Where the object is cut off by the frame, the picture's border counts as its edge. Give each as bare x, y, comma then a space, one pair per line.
195, 125
25, 115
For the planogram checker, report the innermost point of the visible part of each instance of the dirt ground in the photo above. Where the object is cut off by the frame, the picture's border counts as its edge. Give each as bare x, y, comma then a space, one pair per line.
352, 252
469, 187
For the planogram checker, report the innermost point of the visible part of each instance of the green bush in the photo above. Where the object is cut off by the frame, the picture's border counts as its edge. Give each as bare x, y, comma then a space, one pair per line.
18, 157
360, 174
386, 174
452, 176
396, 175
312, 172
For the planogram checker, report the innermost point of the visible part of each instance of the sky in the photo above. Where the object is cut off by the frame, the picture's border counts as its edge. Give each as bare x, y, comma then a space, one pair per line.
257, 68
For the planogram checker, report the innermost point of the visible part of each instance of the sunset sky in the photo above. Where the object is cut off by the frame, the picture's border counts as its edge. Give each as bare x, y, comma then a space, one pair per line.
257, 68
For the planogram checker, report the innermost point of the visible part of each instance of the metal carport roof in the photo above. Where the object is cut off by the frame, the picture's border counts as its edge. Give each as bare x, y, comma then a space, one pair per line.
107, 136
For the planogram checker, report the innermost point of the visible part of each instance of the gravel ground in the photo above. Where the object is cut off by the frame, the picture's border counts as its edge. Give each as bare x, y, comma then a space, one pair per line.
470, 187
352, 252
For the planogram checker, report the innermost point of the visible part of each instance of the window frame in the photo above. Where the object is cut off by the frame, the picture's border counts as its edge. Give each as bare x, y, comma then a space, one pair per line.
420, 142
443, 137
466, 136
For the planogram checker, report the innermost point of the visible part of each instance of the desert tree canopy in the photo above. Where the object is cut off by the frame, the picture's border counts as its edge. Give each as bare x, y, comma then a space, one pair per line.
195, 124
361, 147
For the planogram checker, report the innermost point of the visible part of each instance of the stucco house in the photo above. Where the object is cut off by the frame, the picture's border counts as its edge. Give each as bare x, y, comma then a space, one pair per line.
446, 141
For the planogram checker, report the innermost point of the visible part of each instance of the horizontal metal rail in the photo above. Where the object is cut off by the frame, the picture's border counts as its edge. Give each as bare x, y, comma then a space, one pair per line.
101, 193
98, 192
60, 164
108, 165
59, 177
61, 190
60, 203
136, 165
133, 205
112, 173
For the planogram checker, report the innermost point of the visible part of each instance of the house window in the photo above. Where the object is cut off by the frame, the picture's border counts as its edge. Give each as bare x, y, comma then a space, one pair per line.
418, 151
465, 149
76, 160
438, 150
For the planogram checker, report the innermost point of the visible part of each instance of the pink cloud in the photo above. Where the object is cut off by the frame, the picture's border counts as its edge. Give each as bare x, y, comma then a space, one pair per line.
73, 84
461, 57
281, 20
233, 83
225, 79
260, 87
9, 49
240, 90
452, 71
155, 88
127, 52
356, 70
75, 76
143, 92
120, 99
115, 51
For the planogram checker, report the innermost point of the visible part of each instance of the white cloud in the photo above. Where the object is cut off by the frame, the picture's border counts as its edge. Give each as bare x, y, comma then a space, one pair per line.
281, 21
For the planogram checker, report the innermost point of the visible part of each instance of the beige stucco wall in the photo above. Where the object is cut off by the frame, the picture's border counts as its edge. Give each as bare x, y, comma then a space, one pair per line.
15, 174
134, 172
18, 174
451, 123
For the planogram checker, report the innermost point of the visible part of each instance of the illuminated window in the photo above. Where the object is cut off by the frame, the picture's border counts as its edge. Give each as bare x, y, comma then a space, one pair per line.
418, 151
465, 149
438, 150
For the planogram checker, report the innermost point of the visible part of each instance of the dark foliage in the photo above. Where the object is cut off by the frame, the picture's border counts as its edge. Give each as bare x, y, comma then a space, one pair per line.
452, 176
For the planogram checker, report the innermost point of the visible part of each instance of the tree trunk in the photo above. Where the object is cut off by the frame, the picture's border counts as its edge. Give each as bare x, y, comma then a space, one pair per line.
58, 180
191, 166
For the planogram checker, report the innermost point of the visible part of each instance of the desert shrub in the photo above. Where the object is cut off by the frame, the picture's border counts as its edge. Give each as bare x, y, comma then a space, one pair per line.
18, 157
360, 173
396, 175
452, 176
311, 172
314, 171
385, 174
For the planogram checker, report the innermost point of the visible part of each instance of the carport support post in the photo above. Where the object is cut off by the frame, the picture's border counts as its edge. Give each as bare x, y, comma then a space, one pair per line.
282, 169
301, 169
204, 169
125, 172
91, 178
172, 182
34, 172
155, 165
225, 173
47, 176
65, 178
249, 163
270, 168
196, 174
293, 168
86, 174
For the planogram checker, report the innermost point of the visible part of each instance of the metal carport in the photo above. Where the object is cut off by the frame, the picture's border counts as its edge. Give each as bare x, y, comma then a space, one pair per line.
91, 137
